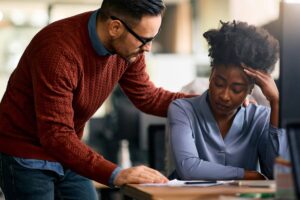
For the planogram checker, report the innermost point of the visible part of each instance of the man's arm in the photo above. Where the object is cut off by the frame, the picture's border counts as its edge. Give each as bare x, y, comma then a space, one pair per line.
142, 92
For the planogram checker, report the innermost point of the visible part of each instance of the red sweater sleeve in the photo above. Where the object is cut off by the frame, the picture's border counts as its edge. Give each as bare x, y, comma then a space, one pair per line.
54, 83
143, 93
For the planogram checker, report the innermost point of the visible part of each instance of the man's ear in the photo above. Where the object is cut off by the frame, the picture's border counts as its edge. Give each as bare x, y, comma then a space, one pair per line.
115, 28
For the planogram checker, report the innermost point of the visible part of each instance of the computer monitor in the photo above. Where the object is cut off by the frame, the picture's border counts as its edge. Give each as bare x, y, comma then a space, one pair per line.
290, 82
290, 64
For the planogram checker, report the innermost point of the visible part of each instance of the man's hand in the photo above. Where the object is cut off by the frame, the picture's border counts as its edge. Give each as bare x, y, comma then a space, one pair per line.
139, 174
253, 175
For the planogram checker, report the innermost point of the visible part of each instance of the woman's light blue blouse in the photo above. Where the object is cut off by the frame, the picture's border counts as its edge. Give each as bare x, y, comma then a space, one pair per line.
200, 152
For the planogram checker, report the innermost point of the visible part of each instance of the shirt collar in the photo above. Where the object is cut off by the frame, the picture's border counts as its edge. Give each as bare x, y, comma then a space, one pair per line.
96, 43
237, 123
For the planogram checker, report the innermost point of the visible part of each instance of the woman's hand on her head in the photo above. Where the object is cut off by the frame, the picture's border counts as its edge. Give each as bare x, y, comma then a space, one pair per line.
139, 174
265, 82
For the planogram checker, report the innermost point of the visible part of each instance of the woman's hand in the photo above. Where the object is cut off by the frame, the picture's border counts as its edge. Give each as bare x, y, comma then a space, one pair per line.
253, 175
269, 89
265, 82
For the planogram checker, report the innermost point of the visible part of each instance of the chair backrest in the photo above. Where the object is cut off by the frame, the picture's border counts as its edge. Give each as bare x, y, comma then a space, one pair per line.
156, 146
169, 162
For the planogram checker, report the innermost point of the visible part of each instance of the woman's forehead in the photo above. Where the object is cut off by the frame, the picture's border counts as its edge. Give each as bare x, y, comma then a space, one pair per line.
231, 73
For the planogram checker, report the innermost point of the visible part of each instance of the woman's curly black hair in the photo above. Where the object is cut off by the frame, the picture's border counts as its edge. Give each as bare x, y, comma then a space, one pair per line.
237, 42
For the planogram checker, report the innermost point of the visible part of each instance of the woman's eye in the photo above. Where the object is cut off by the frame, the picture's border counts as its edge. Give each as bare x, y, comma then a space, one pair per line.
218, 84
237, 90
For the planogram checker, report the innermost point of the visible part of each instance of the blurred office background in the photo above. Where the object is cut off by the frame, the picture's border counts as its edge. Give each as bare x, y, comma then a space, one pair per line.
179, 56
179, 53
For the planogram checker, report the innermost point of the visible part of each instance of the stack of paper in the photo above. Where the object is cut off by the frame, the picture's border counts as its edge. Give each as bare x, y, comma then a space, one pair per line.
199, 183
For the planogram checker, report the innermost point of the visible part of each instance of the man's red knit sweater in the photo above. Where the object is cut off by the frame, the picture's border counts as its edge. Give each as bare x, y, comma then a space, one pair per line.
57, 86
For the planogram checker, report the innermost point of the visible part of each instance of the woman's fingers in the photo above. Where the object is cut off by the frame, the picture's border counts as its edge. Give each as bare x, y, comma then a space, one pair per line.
264, 81
256, 74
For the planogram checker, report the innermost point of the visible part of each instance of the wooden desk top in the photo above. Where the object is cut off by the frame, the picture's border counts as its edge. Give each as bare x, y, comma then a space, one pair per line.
141, 192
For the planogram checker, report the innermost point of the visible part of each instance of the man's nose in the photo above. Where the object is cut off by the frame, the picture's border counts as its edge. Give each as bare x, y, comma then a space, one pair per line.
147, 47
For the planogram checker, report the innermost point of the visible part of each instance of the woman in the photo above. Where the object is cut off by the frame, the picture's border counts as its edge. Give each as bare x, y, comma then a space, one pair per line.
213, 136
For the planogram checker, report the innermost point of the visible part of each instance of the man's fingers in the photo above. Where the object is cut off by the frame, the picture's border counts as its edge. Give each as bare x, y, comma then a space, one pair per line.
150, 170
139, 174
158, 177
156, 174
248, 101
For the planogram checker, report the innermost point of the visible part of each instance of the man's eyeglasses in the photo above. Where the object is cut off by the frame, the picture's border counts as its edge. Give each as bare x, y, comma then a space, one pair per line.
143, 40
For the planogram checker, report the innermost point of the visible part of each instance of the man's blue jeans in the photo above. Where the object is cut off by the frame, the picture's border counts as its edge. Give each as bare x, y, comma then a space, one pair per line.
18, 182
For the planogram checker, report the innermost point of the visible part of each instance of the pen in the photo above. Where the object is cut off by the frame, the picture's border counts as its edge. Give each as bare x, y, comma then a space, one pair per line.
199, 182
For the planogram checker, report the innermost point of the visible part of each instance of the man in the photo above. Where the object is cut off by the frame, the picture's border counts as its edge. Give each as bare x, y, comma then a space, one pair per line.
65, 74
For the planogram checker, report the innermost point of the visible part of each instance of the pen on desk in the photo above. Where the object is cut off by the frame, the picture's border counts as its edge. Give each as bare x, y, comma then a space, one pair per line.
199, 182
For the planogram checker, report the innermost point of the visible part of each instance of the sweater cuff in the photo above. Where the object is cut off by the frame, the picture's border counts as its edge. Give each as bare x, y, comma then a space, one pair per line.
240, 173
113, 176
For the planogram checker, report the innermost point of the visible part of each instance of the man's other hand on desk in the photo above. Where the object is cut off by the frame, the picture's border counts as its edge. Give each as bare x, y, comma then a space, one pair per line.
139, 174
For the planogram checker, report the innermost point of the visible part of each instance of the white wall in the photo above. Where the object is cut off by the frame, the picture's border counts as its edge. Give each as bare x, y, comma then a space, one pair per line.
171, 71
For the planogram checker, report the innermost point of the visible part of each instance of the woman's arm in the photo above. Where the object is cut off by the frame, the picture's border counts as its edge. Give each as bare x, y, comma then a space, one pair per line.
273, 141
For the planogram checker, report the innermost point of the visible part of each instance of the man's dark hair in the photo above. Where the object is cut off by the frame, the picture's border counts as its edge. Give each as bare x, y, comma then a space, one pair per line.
131, 10
237, 42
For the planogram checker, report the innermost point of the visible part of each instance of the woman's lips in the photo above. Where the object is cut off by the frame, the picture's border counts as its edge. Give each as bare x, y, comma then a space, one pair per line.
222, 106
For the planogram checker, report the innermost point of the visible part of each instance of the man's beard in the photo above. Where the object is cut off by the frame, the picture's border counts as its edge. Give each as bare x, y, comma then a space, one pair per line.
132, 57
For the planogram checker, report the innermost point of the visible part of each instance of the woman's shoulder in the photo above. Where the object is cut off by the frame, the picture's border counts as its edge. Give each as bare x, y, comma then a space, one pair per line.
254, 108
187, 102
186, 106
257, 112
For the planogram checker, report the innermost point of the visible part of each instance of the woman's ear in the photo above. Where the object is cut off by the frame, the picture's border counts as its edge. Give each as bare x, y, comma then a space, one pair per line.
251, 88
211, 73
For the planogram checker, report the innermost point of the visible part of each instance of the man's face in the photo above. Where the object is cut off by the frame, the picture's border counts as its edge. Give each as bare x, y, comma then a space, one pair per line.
228, 89
137, 40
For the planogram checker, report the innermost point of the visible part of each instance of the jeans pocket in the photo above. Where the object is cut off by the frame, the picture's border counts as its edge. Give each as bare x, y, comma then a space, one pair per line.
7, 176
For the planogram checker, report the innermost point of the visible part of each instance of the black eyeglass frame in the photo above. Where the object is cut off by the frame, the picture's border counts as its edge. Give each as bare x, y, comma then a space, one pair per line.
143, 40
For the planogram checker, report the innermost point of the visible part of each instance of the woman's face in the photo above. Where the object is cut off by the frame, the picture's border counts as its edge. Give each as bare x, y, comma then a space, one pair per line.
228, 88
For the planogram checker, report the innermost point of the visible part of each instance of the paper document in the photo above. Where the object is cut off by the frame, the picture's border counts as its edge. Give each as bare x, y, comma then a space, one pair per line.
187, 183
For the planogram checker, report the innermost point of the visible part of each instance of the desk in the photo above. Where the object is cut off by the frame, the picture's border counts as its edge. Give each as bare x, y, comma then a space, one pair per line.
140, 192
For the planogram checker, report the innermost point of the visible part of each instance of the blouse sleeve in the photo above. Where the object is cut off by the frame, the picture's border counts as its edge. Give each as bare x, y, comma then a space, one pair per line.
273, 142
